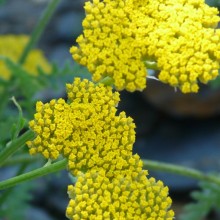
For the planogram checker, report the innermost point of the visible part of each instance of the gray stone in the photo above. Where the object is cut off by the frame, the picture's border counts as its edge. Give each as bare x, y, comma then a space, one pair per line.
34, 213
69, 25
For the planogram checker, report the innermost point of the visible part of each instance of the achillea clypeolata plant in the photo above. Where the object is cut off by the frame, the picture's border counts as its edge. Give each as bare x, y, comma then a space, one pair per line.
85, 134
120, 37
111, 182
12, 46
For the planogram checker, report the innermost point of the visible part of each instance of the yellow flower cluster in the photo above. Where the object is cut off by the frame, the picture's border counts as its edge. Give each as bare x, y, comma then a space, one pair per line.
11, 46
108, 46
120, 36
86, 130
97, 197
185, 43
111, 182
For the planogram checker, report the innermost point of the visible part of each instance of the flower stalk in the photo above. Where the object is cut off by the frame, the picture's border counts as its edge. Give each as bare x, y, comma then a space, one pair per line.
148, 164
14, 145
60, 165
180, 170
108, 81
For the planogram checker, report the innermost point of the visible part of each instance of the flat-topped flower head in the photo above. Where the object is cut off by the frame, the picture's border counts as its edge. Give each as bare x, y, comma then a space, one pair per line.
185, 42
86, 130
119, 38
108, 46
96, 196
12, 46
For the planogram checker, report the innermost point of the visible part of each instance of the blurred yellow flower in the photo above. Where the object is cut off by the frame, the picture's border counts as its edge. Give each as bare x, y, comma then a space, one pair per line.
179, 36
11, 46
122, 197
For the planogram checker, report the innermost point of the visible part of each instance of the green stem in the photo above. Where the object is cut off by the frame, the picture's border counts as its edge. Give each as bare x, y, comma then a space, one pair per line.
37, 32
14, 145
108, 81
60, 165
180, 170
4, 91
151, 65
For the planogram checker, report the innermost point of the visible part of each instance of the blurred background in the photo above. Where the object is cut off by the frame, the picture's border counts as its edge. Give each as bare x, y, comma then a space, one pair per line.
171, 127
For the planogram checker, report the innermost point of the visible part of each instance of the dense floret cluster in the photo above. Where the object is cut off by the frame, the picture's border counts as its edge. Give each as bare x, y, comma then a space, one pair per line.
120, 37
96, 196
85, 129
111, 182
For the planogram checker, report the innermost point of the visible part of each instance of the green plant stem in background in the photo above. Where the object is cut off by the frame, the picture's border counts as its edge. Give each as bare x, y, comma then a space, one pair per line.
180, 170
60, 165
52, 5
24, 158
16, 144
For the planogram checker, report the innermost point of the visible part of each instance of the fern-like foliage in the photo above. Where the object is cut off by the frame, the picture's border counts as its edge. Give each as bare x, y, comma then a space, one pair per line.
2, 2
14, 202
207, 199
